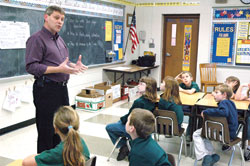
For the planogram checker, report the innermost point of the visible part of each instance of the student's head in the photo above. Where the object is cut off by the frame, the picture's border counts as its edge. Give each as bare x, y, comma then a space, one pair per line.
222, 92
148, 87
66, 124
186, 78
171, 91
233, 82
141, 122
54, 19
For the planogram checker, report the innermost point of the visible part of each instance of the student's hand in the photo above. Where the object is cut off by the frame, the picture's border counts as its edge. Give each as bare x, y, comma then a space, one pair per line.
79, 66
234, 83
180, 89
202, 115
178, 77
213, 93
64, 68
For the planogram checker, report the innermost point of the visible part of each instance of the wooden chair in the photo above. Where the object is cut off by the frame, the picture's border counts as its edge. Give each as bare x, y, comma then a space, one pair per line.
115, 146
208, 76
171, 159
166, 124
91, 161
216, 129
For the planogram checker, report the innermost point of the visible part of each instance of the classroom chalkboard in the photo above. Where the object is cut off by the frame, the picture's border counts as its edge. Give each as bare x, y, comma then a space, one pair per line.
83, 35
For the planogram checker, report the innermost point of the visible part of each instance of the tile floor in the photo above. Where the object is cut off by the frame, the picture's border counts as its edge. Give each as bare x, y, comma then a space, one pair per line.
21, 143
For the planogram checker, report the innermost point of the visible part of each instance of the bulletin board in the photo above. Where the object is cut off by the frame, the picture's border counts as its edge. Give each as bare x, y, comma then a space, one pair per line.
118, 40
230, 44
223, 42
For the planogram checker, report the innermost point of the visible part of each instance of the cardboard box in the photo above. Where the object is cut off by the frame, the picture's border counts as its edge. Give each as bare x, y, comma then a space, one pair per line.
89, 100
116, 89
108, 94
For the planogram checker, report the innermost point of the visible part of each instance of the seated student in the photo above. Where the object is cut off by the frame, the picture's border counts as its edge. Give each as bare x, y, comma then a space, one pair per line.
170, 99
188, 85
243, 93
144, 150
234, 83
226, 108
148, 88
71, 151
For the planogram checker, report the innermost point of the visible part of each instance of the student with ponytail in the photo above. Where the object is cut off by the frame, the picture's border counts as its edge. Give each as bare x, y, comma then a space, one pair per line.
71, 151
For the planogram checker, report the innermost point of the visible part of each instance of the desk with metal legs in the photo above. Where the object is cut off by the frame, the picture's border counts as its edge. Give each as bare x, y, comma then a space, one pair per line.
129, 69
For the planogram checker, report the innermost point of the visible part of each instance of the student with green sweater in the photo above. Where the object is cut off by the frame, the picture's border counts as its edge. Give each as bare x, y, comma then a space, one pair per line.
148, 88
170, 99
144, 150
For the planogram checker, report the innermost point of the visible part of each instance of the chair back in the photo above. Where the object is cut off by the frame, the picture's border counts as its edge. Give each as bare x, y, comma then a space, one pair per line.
91, 161
216, 129
171, 159
208, 73
166, 123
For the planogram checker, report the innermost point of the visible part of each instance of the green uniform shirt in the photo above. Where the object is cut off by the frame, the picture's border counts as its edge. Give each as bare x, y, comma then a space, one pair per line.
141, 102
54, 157
193, 85
147, 152
167, 105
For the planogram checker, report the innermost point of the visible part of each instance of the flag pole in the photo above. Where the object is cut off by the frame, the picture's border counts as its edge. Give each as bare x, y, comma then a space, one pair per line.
128, 33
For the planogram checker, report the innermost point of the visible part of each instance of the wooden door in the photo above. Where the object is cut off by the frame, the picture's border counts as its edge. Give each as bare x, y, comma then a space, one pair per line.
180, 44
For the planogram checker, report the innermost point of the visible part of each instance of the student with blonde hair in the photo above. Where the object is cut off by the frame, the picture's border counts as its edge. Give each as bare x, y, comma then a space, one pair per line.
72, 151
148, 88
188, 85
170, 99
226, 108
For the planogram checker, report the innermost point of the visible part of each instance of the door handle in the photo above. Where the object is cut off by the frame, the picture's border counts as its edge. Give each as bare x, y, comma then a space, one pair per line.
167, 54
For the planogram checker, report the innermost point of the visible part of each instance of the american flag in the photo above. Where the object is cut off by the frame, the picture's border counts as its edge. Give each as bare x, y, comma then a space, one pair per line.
133, 34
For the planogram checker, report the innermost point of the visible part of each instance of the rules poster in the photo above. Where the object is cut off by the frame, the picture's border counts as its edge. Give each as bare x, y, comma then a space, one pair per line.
223, 42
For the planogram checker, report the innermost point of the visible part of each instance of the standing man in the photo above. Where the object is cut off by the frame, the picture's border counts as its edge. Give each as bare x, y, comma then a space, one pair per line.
47, 58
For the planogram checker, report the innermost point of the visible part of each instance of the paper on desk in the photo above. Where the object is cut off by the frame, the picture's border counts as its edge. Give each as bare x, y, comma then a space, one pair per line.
122, 68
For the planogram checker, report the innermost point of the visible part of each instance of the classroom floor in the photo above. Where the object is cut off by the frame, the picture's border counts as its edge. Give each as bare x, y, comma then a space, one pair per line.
21, 143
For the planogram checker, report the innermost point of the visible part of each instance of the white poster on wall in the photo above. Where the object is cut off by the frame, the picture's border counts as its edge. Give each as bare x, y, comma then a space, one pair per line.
173, 35
13, 35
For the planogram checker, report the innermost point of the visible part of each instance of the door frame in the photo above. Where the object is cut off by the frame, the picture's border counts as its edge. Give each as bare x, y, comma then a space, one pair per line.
174, 16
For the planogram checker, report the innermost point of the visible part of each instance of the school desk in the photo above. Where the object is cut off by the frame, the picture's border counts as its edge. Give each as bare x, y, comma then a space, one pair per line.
242, 107
129, 69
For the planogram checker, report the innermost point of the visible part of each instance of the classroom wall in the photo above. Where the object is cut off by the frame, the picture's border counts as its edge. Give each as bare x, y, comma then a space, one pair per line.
150, 19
